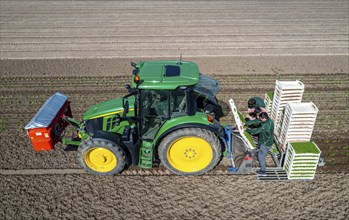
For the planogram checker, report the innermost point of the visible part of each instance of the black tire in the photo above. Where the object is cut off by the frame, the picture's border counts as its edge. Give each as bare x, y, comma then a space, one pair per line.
202, 134
107, 146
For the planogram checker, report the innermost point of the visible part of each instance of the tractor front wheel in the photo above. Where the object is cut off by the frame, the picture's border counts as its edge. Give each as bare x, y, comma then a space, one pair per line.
190, 151
101, 157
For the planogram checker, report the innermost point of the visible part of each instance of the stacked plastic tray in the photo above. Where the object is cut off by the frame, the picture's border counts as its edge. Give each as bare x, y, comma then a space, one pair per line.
285, 92
268, 101
298, 122
301, 160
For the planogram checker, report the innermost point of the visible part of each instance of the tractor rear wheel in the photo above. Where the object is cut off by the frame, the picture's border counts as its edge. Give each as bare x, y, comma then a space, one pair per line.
190, 151
101, 157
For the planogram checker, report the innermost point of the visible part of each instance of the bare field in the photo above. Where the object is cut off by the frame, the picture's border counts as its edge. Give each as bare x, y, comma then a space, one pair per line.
84, 49
224, 65
73, 29
26, 84
67, 194
171, 197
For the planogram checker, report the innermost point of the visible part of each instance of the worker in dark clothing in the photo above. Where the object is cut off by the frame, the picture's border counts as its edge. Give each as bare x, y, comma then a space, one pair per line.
254, 122
256, 102
265, 139
253, 115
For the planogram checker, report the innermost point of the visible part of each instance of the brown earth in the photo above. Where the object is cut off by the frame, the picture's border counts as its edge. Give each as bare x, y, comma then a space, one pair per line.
163, 28
49, 46
26, 84
225, 65
172, 197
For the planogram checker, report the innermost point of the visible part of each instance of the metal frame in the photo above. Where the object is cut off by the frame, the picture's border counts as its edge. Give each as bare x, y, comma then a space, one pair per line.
239, 124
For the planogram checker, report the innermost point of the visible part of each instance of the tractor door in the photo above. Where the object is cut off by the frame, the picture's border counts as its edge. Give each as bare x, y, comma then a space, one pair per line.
157, 106
153, 111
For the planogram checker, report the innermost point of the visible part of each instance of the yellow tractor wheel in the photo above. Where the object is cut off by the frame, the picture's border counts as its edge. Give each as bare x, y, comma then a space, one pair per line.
100, 156
190, 151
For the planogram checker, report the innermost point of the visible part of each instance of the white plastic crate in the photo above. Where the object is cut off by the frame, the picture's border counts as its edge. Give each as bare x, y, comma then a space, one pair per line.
301, 160
298, 122
285, 92
268, 101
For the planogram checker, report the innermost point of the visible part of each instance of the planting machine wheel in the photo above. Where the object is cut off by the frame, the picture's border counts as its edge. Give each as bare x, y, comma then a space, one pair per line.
101, 157
190, 151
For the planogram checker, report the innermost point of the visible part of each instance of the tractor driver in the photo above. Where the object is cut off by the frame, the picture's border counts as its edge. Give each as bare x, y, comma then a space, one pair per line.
265, 139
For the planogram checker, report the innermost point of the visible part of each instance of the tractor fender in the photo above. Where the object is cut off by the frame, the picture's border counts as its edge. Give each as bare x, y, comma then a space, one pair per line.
115, 139
216, 128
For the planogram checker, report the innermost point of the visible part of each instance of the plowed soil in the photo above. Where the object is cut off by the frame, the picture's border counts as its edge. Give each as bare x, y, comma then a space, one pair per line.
84, 50
71, 29
172, 197
68, 193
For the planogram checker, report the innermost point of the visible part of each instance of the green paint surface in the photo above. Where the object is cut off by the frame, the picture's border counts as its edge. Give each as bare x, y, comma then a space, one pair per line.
198, 118
153, 75
112, 106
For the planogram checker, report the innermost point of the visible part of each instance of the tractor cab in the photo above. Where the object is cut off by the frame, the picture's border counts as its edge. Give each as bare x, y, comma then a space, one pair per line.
171, 89
158, 106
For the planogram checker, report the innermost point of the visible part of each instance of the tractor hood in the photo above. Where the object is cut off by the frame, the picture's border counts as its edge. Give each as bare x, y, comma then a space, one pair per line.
113, 106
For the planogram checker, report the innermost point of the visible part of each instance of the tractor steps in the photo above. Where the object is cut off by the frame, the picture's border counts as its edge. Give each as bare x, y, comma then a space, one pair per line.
273, 174
146, 157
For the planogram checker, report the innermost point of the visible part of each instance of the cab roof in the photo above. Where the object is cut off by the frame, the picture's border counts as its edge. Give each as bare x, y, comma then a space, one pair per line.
166, 74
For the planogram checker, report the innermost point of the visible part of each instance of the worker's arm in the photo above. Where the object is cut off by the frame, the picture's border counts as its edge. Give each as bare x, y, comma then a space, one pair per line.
255, 122
255, 131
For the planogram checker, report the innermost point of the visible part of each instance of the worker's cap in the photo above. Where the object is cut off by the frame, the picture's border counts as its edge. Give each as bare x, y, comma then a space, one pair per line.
251, 103
264, 115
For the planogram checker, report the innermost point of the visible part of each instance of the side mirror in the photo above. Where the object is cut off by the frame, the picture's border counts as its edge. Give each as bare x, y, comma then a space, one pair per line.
129, 89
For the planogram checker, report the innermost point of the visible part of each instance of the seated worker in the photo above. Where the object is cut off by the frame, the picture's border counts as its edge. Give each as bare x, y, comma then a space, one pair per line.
256, 102
265, 139
254, 115
253, 120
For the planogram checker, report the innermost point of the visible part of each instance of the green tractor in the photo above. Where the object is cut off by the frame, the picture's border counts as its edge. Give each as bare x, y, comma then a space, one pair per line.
170, 115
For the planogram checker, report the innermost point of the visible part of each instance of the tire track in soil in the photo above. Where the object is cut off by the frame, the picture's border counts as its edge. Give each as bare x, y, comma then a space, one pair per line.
129, 172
